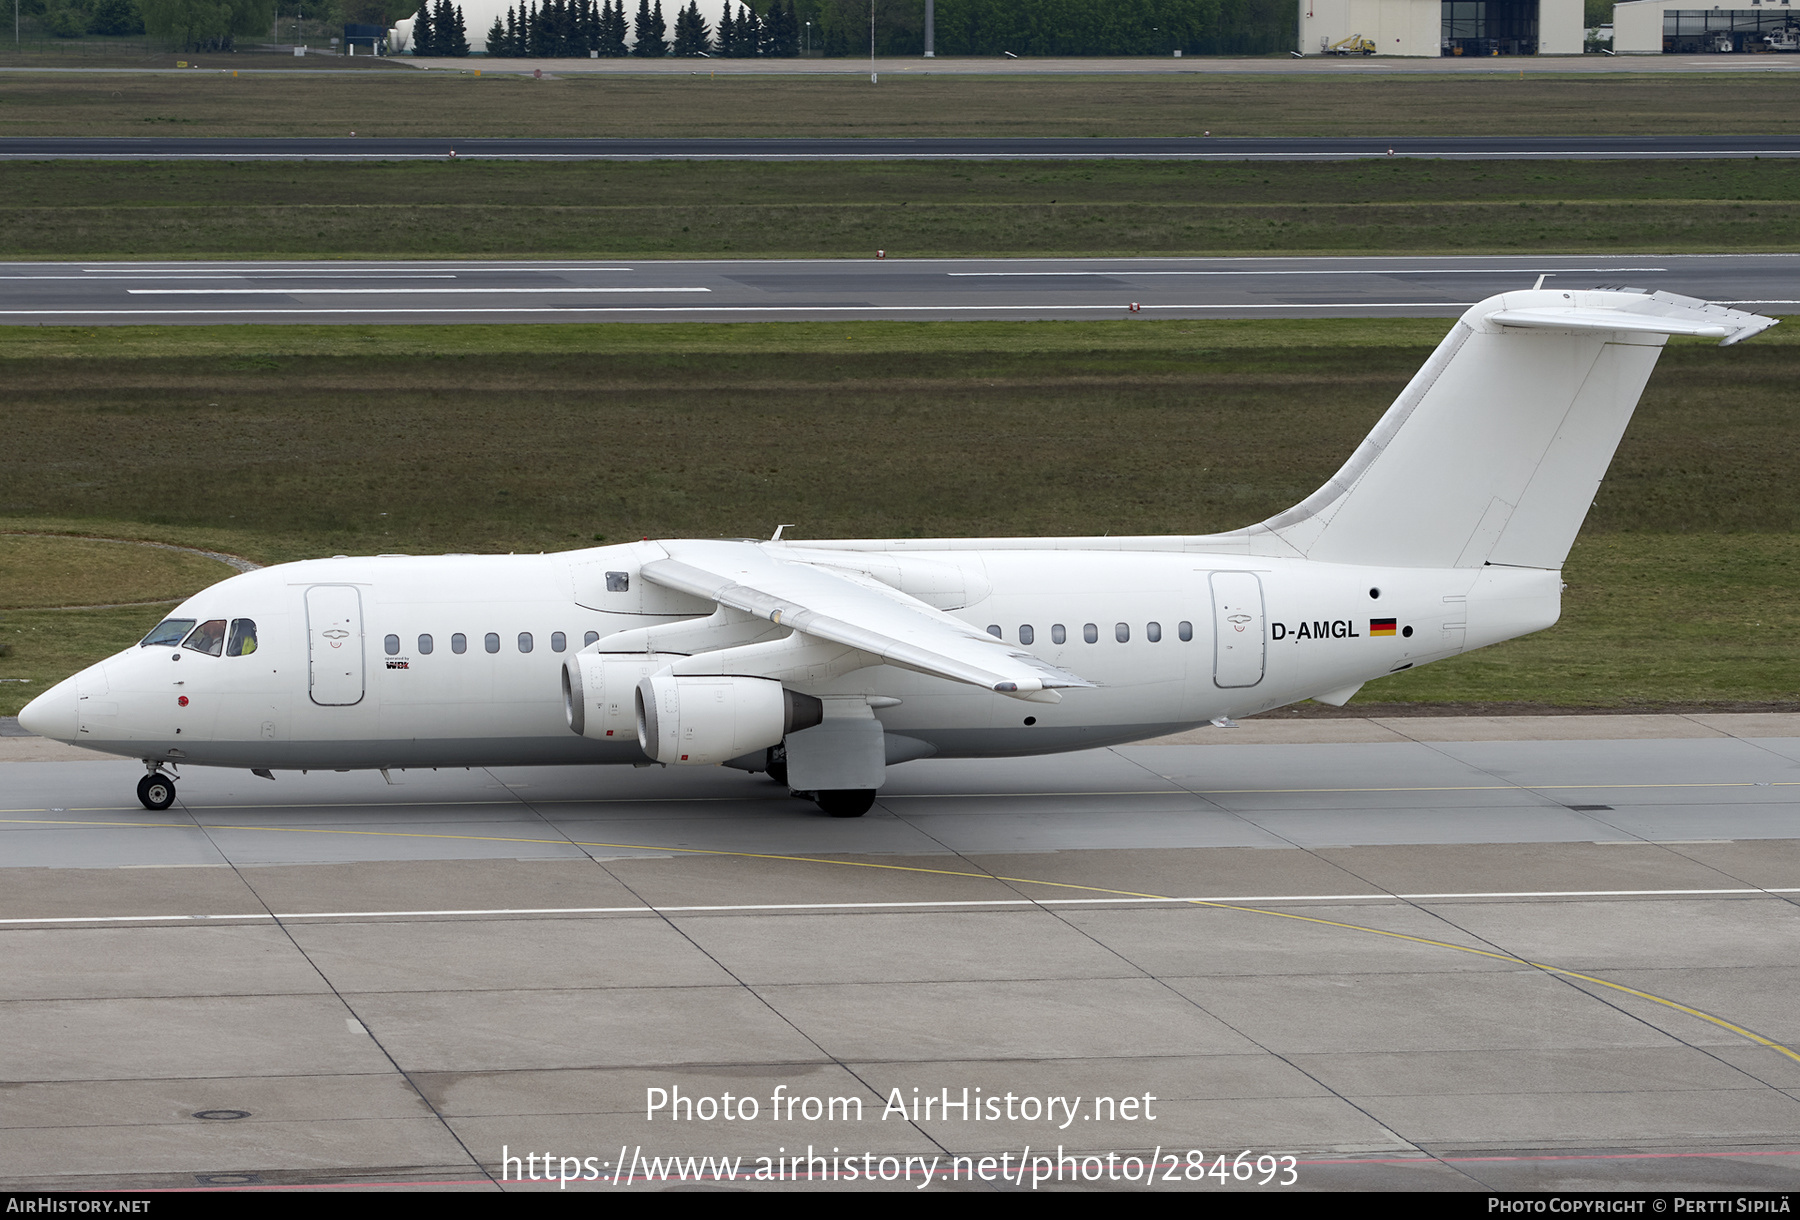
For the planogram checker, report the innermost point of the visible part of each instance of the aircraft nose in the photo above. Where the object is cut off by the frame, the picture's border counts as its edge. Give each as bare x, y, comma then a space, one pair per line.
53, 713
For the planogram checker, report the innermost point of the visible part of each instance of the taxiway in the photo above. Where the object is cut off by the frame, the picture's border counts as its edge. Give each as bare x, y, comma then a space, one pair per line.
1508, 954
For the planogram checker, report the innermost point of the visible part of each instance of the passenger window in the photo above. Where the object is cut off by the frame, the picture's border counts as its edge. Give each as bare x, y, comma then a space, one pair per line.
1027, 635
524, 641
208, 637
243, 638
1122, 632
491, 642
618, 582
1185, 631
1058, 634
1090, 633
424, 645
994, 630
459, 643
558, 641
391, 645
1153, 633
592, 637
168, 632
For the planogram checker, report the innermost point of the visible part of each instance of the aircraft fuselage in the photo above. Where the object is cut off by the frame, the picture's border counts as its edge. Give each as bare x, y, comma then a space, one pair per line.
456, 660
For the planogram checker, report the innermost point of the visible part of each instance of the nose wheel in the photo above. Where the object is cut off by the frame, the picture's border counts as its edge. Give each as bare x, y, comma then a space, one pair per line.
156, 791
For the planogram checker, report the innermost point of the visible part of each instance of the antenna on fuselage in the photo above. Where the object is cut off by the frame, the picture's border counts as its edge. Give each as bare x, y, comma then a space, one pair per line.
777, 535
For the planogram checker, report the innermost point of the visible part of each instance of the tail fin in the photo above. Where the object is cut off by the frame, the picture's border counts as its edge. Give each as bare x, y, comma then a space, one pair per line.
1494, 451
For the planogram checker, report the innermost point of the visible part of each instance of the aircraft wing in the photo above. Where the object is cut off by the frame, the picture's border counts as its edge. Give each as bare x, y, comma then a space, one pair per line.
850, 608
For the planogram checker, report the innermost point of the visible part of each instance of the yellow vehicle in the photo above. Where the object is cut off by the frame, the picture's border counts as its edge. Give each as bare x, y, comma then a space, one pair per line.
1356, 44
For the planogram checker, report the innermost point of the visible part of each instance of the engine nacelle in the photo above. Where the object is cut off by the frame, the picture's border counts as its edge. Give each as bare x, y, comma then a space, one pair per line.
703, 721
598, 691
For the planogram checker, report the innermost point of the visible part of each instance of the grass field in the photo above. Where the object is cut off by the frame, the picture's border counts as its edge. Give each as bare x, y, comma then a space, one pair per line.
63, 210
397, 101
280, 443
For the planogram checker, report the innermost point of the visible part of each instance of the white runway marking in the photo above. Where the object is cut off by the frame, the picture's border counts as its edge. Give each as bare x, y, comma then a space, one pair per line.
311, 292
1121, 900
1364, 271
566, 310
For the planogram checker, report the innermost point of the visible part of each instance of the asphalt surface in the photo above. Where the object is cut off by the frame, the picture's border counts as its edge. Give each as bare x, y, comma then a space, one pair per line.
1192, 148
1404, 957
1087, 65
747, 290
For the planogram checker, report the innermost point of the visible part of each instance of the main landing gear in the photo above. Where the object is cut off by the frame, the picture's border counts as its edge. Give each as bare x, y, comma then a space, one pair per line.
843, 803
156, 791
847, 802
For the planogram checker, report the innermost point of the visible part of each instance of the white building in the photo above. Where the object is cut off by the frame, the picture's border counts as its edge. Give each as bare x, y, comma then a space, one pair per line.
1683, 27
1444, 27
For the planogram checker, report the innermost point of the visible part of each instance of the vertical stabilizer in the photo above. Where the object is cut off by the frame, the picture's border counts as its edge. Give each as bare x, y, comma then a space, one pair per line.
1493, 452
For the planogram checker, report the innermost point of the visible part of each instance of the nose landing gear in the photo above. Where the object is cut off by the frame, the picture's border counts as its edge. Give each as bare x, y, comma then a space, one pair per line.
156, 791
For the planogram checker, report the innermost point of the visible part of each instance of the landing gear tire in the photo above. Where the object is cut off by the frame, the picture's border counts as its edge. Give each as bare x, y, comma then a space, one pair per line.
846, 802
156, 791
777, 766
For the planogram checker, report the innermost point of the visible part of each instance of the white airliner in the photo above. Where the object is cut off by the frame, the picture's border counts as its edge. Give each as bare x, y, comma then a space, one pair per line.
824, 663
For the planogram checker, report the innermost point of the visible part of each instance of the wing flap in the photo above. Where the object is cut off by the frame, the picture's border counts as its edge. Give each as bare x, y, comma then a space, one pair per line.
854, 610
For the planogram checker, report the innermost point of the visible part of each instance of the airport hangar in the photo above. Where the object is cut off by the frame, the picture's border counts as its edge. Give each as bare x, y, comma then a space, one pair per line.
1443, 27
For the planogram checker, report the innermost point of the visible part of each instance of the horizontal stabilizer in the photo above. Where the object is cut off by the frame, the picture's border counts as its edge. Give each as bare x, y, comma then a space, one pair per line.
1659, 313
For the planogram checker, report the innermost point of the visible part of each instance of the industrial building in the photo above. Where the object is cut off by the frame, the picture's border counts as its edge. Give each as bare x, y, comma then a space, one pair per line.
1681, 27
1442, 27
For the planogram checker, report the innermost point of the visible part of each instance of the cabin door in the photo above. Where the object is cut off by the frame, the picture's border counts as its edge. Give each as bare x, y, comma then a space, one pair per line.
334, 633
1238, 629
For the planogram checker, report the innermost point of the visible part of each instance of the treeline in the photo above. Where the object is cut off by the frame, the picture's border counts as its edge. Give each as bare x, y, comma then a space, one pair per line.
438, 30
565, 28
73, 18
579, 28
1056, 27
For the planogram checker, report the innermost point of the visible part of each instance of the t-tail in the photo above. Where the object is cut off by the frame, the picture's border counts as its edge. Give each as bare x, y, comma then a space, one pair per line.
1493, 453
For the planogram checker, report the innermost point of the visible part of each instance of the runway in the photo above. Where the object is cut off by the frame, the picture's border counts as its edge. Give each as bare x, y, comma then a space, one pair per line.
1463, 954
1189, 148
704, 290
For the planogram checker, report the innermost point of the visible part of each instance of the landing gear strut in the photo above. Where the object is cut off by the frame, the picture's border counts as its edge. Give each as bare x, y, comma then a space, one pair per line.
156, 791
846, 802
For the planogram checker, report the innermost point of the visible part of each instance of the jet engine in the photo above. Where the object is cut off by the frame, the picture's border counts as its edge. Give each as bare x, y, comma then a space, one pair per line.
597, 691
688, 721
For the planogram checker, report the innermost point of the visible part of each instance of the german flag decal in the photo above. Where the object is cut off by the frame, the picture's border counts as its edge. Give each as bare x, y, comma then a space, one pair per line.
1381, 626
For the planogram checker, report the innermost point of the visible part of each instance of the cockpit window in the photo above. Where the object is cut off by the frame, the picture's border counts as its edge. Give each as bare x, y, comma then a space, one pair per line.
208, 637
243, 638
168, 632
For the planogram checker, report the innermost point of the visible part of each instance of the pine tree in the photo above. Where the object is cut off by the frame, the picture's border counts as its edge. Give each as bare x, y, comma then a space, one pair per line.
421, 31
749, 32
781, 30
496, 38
691, 34
640, 27
615, 32
659, 30
652, 31
459, 38
724, 45
559, 27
